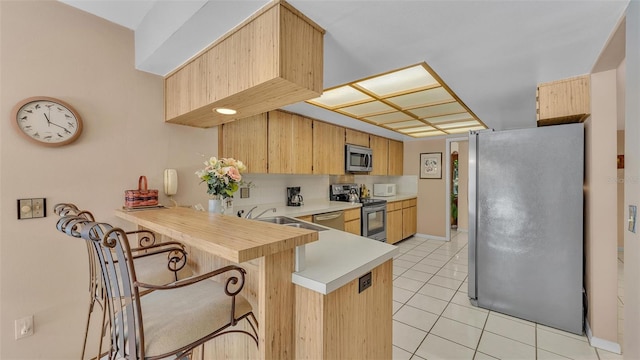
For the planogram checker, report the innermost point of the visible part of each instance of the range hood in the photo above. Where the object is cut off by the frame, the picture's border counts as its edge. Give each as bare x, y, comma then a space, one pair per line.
272, 59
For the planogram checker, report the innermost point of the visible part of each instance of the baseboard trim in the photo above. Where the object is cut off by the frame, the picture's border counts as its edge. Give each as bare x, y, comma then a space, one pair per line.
431, 237
603, 344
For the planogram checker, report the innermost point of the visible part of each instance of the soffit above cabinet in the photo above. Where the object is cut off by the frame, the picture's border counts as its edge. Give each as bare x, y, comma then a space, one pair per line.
273, 59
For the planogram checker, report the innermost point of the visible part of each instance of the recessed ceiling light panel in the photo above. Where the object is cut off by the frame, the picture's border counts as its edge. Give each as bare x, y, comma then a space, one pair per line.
422, 98
340, 96
407, 101
416, 77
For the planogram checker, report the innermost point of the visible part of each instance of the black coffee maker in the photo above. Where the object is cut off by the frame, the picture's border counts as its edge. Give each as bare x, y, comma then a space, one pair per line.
293, 196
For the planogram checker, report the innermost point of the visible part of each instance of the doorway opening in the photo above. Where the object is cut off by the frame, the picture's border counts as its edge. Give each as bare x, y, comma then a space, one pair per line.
457, 185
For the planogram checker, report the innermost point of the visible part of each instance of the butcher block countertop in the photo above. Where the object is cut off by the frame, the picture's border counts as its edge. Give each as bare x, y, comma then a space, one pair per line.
235, 239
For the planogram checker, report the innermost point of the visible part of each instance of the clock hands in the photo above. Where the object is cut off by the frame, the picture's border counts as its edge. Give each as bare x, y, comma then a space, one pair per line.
52, 123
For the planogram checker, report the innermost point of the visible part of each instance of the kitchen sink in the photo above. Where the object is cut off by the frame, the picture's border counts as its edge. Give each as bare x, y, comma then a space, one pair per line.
287, 221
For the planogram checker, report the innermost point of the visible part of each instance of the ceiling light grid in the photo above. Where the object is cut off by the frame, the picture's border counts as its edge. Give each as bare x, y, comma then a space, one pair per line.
412, 101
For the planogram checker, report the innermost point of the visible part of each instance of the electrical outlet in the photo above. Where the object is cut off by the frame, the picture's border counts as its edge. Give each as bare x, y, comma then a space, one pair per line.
24, 327
364, 282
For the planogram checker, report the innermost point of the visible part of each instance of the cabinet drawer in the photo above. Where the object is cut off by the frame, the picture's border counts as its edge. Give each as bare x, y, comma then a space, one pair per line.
409, 203
352, 214
393, 206
308, 218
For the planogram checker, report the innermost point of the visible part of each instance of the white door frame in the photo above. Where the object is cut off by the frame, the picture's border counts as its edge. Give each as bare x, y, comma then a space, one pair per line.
447, 169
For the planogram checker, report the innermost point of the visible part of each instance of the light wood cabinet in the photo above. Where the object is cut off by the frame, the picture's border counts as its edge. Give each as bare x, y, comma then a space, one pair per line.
564, 101
308, 218
396, 158
356, 137
328, 148
272, 59
409, 218
246, 140
380, 149
352, 221
394, 222
402, 220
346, 323
290, 143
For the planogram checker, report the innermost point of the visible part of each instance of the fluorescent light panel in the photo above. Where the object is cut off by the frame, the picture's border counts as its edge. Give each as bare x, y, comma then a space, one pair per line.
407, 101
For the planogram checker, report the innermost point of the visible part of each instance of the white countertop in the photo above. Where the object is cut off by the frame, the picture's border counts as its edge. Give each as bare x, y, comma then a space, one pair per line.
309, 208
338, 258
397, 197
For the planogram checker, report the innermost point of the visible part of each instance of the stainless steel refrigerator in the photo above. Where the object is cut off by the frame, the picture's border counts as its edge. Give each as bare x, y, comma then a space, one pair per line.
526, 223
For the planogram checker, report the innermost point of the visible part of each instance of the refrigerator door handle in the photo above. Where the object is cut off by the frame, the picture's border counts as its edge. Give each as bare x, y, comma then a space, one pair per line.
473, 183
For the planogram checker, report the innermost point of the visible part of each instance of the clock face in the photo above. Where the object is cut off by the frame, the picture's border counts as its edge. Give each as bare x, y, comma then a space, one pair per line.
48, 121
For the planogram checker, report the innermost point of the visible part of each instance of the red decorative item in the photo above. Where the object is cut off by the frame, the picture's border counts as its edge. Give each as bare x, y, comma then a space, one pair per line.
141, 196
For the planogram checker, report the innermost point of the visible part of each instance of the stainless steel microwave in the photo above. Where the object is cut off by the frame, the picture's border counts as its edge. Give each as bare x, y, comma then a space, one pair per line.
358, 158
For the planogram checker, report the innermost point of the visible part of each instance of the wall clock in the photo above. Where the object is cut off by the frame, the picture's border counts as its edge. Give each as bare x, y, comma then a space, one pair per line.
47, 121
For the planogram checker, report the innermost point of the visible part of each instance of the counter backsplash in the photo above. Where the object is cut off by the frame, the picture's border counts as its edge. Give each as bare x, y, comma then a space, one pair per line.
271, 189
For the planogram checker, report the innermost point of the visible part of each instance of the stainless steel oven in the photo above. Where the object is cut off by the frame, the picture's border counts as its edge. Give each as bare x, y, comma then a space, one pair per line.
374, 219
373, 216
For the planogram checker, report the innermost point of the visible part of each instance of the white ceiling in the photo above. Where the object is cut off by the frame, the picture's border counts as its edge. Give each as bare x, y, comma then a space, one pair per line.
491, 53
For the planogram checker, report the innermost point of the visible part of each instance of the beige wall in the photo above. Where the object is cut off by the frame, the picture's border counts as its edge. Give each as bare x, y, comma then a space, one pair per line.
431, 192
632, 184
48, 48
463, 185
600, 198
622, 220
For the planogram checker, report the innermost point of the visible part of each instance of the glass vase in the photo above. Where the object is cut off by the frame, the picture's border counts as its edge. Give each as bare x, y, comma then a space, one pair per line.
215, 205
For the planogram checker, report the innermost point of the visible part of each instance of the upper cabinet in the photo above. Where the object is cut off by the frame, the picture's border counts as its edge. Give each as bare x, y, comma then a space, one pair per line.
564, 101
290, 143
396, 158
280, 142
380, 149
246, 140
328, 148
272, 59
356, 137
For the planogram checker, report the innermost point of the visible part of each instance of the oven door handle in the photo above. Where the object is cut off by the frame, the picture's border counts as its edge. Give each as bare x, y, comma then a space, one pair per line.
328, 217
374, 208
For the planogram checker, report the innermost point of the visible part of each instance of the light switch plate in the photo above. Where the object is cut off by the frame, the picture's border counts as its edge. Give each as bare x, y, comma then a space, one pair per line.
632, 218
32, 208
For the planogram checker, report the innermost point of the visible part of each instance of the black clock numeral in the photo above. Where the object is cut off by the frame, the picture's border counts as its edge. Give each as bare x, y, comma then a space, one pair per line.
36, 135
49, 106
29, 111
71, 125
37, 106
59, 108
60, 136
24, 118
27, 127
48, 137
67, 116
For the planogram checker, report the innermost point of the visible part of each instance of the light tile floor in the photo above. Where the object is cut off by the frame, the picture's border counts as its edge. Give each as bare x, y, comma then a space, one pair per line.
433, 318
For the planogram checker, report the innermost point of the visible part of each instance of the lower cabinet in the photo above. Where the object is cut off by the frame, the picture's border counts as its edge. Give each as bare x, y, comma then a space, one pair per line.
352, 221
402, 220
308, 218
409, 218
394, 222
346, 323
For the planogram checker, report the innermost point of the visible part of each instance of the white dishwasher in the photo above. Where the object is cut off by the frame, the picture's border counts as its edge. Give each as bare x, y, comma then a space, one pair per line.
334, 220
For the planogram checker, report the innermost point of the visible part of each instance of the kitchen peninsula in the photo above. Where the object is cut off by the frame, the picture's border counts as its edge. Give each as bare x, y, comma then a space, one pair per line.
301, 314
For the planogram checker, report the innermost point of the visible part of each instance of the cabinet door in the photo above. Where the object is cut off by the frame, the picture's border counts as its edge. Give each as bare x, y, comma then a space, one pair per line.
308, 218
246, 140
409, 221
353, 227
394, 226
290, 143
356, 137
380, 149
328, 148
396, 157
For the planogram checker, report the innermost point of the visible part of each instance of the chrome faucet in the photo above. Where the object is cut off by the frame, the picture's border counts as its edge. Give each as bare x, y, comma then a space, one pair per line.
248, 216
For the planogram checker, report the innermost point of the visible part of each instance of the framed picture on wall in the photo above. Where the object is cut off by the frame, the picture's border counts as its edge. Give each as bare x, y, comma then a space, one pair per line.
431, 165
